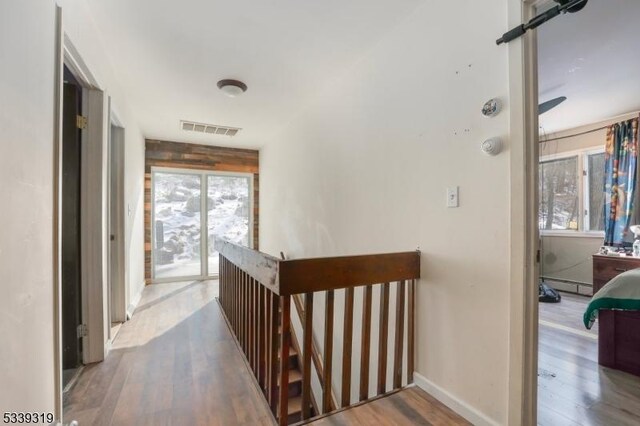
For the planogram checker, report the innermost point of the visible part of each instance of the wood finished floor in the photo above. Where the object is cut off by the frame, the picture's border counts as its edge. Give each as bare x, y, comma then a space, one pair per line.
174, 363
410, 406
568, 312
572, 388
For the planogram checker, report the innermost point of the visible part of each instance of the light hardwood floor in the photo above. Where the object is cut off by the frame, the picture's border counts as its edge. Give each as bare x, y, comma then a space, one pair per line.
174, 363
411, 406
572, 388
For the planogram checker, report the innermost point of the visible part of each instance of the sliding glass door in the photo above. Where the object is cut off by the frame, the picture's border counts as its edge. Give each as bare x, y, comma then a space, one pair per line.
230, 213
185, 224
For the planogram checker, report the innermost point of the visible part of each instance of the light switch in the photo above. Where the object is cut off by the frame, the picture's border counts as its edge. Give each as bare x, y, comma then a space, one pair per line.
452, 197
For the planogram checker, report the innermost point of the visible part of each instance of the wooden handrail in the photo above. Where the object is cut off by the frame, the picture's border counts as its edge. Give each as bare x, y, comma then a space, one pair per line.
256, 291
332, 273
262, 267
299, 276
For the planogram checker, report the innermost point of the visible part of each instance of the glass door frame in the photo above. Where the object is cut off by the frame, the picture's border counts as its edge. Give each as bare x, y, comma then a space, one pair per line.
205, 274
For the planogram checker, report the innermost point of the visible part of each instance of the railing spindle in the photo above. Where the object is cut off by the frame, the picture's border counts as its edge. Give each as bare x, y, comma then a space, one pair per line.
256, 312
262, 326
306, 355
223, 278
221, 282
236, 289
366, 343
243, 309
233, 299
274, 306
256, 326
347, 347
328, 352
399, 343
252, 322
285, 323
382, 343
411, 331
245, 317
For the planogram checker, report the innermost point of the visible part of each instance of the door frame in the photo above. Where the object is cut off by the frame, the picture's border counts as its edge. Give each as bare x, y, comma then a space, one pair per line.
94, 306
205, 274
117, 287
93, 302
524, 233
57, 213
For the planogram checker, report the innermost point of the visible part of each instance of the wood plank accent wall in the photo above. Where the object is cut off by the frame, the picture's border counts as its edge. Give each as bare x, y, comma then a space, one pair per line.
199, 157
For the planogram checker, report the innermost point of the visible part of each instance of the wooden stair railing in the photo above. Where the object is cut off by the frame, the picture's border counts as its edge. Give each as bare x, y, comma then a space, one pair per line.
255, 294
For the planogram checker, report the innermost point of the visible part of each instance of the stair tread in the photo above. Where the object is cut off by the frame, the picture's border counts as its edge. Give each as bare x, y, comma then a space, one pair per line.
292, 352
295, 405
295, 375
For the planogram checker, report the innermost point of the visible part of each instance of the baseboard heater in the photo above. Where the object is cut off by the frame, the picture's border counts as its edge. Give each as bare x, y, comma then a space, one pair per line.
569, 286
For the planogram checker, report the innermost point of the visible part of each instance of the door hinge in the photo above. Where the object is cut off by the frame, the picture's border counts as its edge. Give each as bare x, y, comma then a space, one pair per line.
82, 330
538, 256
81, 122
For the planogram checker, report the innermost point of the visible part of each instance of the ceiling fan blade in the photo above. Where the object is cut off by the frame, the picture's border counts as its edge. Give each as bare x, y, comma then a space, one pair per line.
549, 105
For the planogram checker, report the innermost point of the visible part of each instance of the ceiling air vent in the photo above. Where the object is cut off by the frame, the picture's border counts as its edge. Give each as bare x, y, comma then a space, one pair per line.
211, 129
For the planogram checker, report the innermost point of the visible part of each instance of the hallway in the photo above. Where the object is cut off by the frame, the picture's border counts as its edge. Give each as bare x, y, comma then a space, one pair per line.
175, 363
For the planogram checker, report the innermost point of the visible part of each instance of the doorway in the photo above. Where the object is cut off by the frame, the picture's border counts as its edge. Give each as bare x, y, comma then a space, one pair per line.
72, 331
185, 224
579, 106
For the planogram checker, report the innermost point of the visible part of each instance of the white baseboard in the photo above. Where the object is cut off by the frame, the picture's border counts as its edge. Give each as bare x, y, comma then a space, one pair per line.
462, 408
134, 303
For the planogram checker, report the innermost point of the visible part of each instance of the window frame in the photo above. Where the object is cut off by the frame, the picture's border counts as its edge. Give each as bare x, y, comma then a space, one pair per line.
582, 156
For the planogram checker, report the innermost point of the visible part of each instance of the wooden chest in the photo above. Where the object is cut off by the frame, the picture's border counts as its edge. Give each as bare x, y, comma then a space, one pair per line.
607, 267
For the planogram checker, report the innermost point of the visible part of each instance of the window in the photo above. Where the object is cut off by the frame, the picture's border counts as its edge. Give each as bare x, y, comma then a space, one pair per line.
595, 192
571, 192
559, 200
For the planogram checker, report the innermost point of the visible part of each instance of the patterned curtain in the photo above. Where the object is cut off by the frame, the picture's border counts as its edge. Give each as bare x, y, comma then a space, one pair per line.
620, 170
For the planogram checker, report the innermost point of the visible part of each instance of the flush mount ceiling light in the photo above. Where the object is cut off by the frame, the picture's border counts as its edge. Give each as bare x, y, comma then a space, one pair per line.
232, 88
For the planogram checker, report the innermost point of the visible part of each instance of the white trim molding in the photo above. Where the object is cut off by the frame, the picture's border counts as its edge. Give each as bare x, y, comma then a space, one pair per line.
456, 404
135, 301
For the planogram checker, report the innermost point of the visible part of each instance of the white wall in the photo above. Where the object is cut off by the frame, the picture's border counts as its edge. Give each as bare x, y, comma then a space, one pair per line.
80, 29
27, 31
364, 169
27, 34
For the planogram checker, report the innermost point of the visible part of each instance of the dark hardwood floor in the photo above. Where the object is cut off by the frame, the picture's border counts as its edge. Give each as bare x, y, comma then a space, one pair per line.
411, 406
572, 388
174, 363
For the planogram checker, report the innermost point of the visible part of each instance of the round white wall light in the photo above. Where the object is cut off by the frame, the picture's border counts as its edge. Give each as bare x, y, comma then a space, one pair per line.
232, 88
492, 146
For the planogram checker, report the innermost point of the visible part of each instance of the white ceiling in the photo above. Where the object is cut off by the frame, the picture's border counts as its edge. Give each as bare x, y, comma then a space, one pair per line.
169, 55
593, 58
